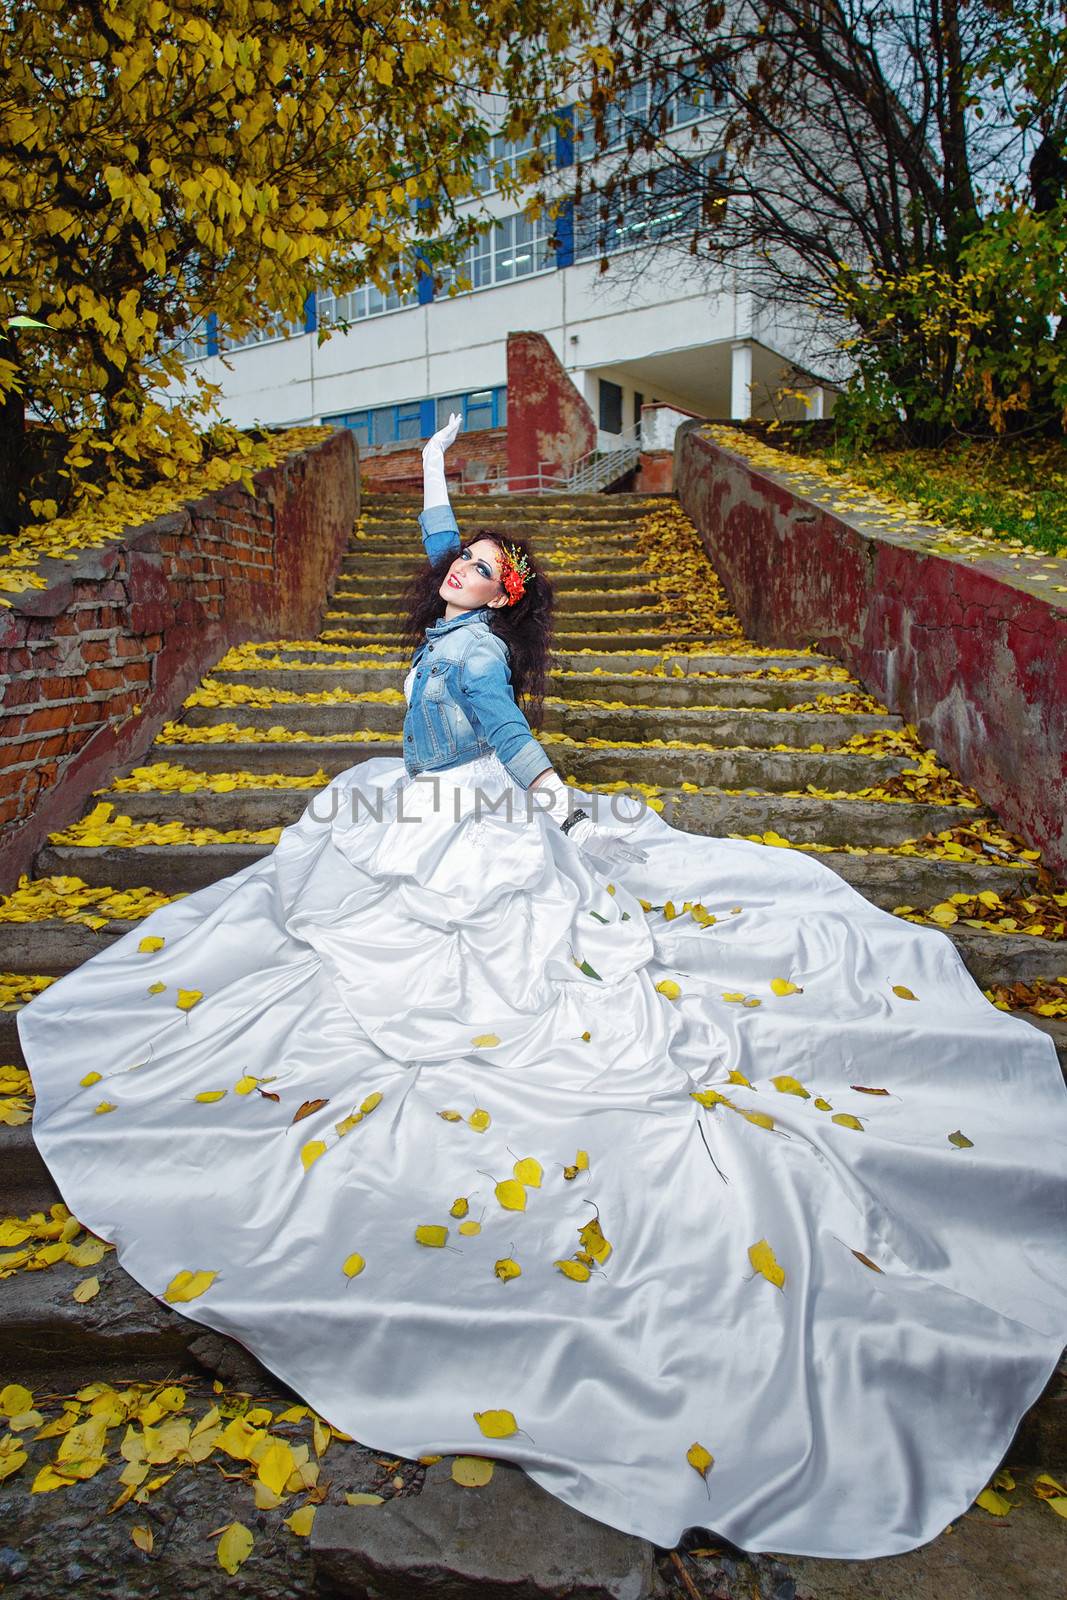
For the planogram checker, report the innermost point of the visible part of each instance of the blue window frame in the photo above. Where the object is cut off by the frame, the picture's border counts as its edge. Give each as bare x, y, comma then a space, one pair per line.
417, 419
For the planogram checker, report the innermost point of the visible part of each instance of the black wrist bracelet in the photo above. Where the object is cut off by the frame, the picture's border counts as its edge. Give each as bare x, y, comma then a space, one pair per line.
574, 817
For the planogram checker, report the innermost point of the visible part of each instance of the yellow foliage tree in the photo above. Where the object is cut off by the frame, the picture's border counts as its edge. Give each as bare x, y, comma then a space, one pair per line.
165, 160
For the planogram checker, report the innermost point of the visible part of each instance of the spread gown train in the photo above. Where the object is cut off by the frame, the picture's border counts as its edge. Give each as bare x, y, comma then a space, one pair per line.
410, 943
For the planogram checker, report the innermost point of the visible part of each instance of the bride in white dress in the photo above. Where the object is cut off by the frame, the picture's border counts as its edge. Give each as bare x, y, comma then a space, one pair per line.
744, 1212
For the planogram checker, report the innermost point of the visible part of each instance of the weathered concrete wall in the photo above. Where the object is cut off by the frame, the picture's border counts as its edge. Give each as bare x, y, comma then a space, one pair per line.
94, 664
549, 419
972, 652
482, 454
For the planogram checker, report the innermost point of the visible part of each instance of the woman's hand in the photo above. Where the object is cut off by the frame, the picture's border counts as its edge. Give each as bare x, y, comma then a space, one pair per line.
434, 482
440, 441
607, 847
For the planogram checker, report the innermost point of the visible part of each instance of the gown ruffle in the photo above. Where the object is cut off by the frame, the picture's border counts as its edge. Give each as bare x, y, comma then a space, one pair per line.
397, 932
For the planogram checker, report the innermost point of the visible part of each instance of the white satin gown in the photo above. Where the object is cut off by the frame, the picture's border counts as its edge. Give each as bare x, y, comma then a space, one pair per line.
461, 963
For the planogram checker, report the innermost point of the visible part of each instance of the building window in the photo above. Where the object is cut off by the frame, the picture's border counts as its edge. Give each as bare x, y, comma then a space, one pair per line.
687, 96
500, 150
639, 401
278, 327
514, 247
367, 300
479, 408
610, 406
666, 201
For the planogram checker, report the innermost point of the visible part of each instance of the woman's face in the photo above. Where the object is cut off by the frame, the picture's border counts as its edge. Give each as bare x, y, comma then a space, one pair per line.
473, 579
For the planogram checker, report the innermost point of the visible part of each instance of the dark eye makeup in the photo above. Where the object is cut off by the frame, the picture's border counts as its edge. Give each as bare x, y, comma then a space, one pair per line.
483, 566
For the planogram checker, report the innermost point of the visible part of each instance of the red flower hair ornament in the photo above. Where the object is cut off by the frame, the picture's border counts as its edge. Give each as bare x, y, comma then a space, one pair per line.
514, 571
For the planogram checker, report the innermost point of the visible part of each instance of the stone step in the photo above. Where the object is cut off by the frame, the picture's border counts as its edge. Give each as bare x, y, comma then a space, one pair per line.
579, 570
769, 771
757, 694
381, 598
635, 664
621, 640
579, 720
608, 539
45, 1333
888, 881
565, 626
804, 818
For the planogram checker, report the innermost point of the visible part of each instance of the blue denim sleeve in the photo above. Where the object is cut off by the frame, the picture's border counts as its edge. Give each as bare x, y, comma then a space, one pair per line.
440, 531
483, 682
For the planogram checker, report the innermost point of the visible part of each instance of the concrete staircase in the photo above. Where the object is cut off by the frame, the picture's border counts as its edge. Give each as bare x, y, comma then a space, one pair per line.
612, 635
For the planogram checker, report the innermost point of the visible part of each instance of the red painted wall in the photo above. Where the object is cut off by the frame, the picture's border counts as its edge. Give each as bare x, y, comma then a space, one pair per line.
965, 651
138, 623
548, 418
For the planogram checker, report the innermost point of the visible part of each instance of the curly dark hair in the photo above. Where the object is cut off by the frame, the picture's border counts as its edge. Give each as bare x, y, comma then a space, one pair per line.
525, 627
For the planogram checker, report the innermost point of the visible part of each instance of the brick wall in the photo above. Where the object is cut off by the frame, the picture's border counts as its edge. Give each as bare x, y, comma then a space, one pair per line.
970, 651
94, 664
481, 453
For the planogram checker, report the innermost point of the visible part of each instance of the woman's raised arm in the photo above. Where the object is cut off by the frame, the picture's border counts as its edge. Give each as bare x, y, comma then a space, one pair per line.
436, 520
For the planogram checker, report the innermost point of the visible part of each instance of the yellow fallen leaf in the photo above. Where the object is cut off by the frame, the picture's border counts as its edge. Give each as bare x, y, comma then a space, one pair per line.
960, 1140
496, 1424
668, 987
994, 1503
459, 1207
301, 1521
149, 943
234, 1547
188, 1286
363, 1498
469, 1227
86, 1289
431, 1233
186, 1000
783, 986
763, 1261
485, 1041
156, 988
699, 1458
739, 1077
845, 1119
142, 1538
275, 1465
312, 1151
479, 1120
209, 1096
372, 1100
89, 1079
473, 1472
451, 1116
506, 1268
1058, 1504
528, 1171
903, 992
512, 1195
760, 1118
1046, 1487
573, 1269
105, 1105
823, 1105
786, 1085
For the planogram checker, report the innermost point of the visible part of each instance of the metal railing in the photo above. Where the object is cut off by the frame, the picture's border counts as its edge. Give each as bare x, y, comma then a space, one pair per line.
596, 470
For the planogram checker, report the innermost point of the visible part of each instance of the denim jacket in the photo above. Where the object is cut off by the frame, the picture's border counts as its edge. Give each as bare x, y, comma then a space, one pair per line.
462, 703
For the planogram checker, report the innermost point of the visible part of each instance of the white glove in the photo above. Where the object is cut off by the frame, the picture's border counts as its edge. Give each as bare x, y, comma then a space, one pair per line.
434, 486
606, 847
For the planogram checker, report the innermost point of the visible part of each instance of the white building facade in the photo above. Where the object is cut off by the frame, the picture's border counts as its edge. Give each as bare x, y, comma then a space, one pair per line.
406, 361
